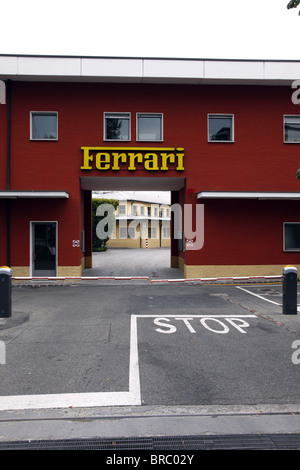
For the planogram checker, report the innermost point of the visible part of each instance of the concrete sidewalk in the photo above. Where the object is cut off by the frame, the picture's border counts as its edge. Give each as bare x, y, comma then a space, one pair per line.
142, 422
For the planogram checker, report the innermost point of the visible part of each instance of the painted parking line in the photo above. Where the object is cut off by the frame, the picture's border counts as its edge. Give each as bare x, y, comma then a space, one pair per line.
262, 297
80, 400
258, 295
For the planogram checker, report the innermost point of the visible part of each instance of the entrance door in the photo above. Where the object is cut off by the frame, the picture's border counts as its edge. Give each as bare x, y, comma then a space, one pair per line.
43, 244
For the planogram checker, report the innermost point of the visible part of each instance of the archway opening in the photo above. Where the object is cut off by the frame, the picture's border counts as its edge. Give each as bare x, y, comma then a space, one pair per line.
142, 243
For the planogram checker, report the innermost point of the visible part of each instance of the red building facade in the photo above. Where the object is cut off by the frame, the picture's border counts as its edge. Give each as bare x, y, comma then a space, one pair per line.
221, 135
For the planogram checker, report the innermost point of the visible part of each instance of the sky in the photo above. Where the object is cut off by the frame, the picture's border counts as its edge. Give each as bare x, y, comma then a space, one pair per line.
204, 29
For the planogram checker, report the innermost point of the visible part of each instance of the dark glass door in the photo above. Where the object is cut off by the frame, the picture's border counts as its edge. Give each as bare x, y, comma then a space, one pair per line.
44, 249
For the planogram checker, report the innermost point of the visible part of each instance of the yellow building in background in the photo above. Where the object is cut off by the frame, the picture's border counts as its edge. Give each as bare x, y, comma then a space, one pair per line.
142, 219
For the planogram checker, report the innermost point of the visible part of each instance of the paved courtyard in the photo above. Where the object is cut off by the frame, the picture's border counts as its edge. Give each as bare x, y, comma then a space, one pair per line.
154, 263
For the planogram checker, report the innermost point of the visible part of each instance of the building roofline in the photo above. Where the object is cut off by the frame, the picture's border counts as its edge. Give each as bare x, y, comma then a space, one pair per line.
209, 59
148, 70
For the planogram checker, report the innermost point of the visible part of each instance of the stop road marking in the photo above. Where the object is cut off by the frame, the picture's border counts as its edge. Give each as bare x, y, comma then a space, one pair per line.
169, 324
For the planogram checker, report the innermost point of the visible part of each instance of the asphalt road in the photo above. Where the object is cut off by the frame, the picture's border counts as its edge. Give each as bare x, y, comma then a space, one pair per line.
132, 347
196, 344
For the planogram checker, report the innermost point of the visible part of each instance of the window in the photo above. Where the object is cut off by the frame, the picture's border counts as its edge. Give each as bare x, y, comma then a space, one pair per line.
116, 126
152, 232
149, 127
133, 210
131, 232
291, 128
220, 128
291, 236
122, 209
166, 232
123, 232
127, 232
43, 126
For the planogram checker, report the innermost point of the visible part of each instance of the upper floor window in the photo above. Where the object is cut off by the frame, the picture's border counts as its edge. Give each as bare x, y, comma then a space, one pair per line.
149, 126
291, 128
43, 125
116, 126
220, 128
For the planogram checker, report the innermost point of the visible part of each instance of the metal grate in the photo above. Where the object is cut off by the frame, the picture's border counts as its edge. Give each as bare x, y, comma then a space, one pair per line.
178, 443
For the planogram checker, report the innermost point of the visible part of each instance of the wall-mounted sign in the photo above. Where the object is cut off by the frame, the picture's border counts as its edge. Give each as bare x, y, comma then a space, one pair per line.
132, 158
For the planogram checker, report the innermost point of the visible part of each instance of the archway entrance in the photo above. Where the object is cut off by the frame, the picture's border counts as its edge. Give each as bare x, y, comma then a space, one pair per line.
155, 259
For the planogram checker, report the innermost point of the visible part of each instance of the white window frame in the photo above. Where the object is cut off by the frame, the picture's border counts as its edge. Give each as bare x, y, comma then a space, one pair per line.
289, 250
220, 115
160, 115
107, 114
290, 116
45, 113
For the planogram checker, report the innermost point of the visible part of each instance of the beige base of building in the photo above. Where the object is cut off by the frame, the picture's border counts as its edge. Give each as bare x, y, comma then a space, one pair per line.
69, 271
233, 271
204, 271
62, 271
20, 271
87, 262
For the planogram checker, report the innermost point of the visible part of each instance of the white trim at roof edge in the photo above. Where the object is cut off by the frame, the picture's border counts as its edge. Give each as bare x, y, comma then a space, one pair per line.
248, 195
10, 194
148, 70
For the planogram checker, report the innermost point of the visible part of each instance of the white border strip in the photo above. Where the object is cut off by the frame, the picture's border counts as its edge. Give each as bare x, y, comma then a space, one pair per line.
91, 278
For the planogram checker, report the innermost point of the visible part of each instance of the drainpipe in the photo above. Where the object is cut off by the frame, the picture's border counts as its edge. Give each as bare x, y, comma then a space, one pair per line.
8, 97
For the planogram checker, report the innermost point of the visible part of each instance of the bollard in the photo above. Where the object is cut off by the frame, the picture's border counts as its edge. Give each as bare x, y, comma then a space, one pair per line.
289, 290
5, 292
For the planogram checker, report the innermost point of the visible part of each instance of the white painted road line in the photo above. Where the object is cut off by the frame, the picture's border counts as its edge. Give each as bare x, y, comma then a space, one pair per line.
263, 298
259, 296
82, 400
134, 371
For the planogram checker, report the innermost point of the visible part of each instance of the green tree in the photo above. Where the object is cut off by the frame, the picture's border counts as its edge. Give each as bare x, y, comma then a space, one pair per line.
293, 4
100, 244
